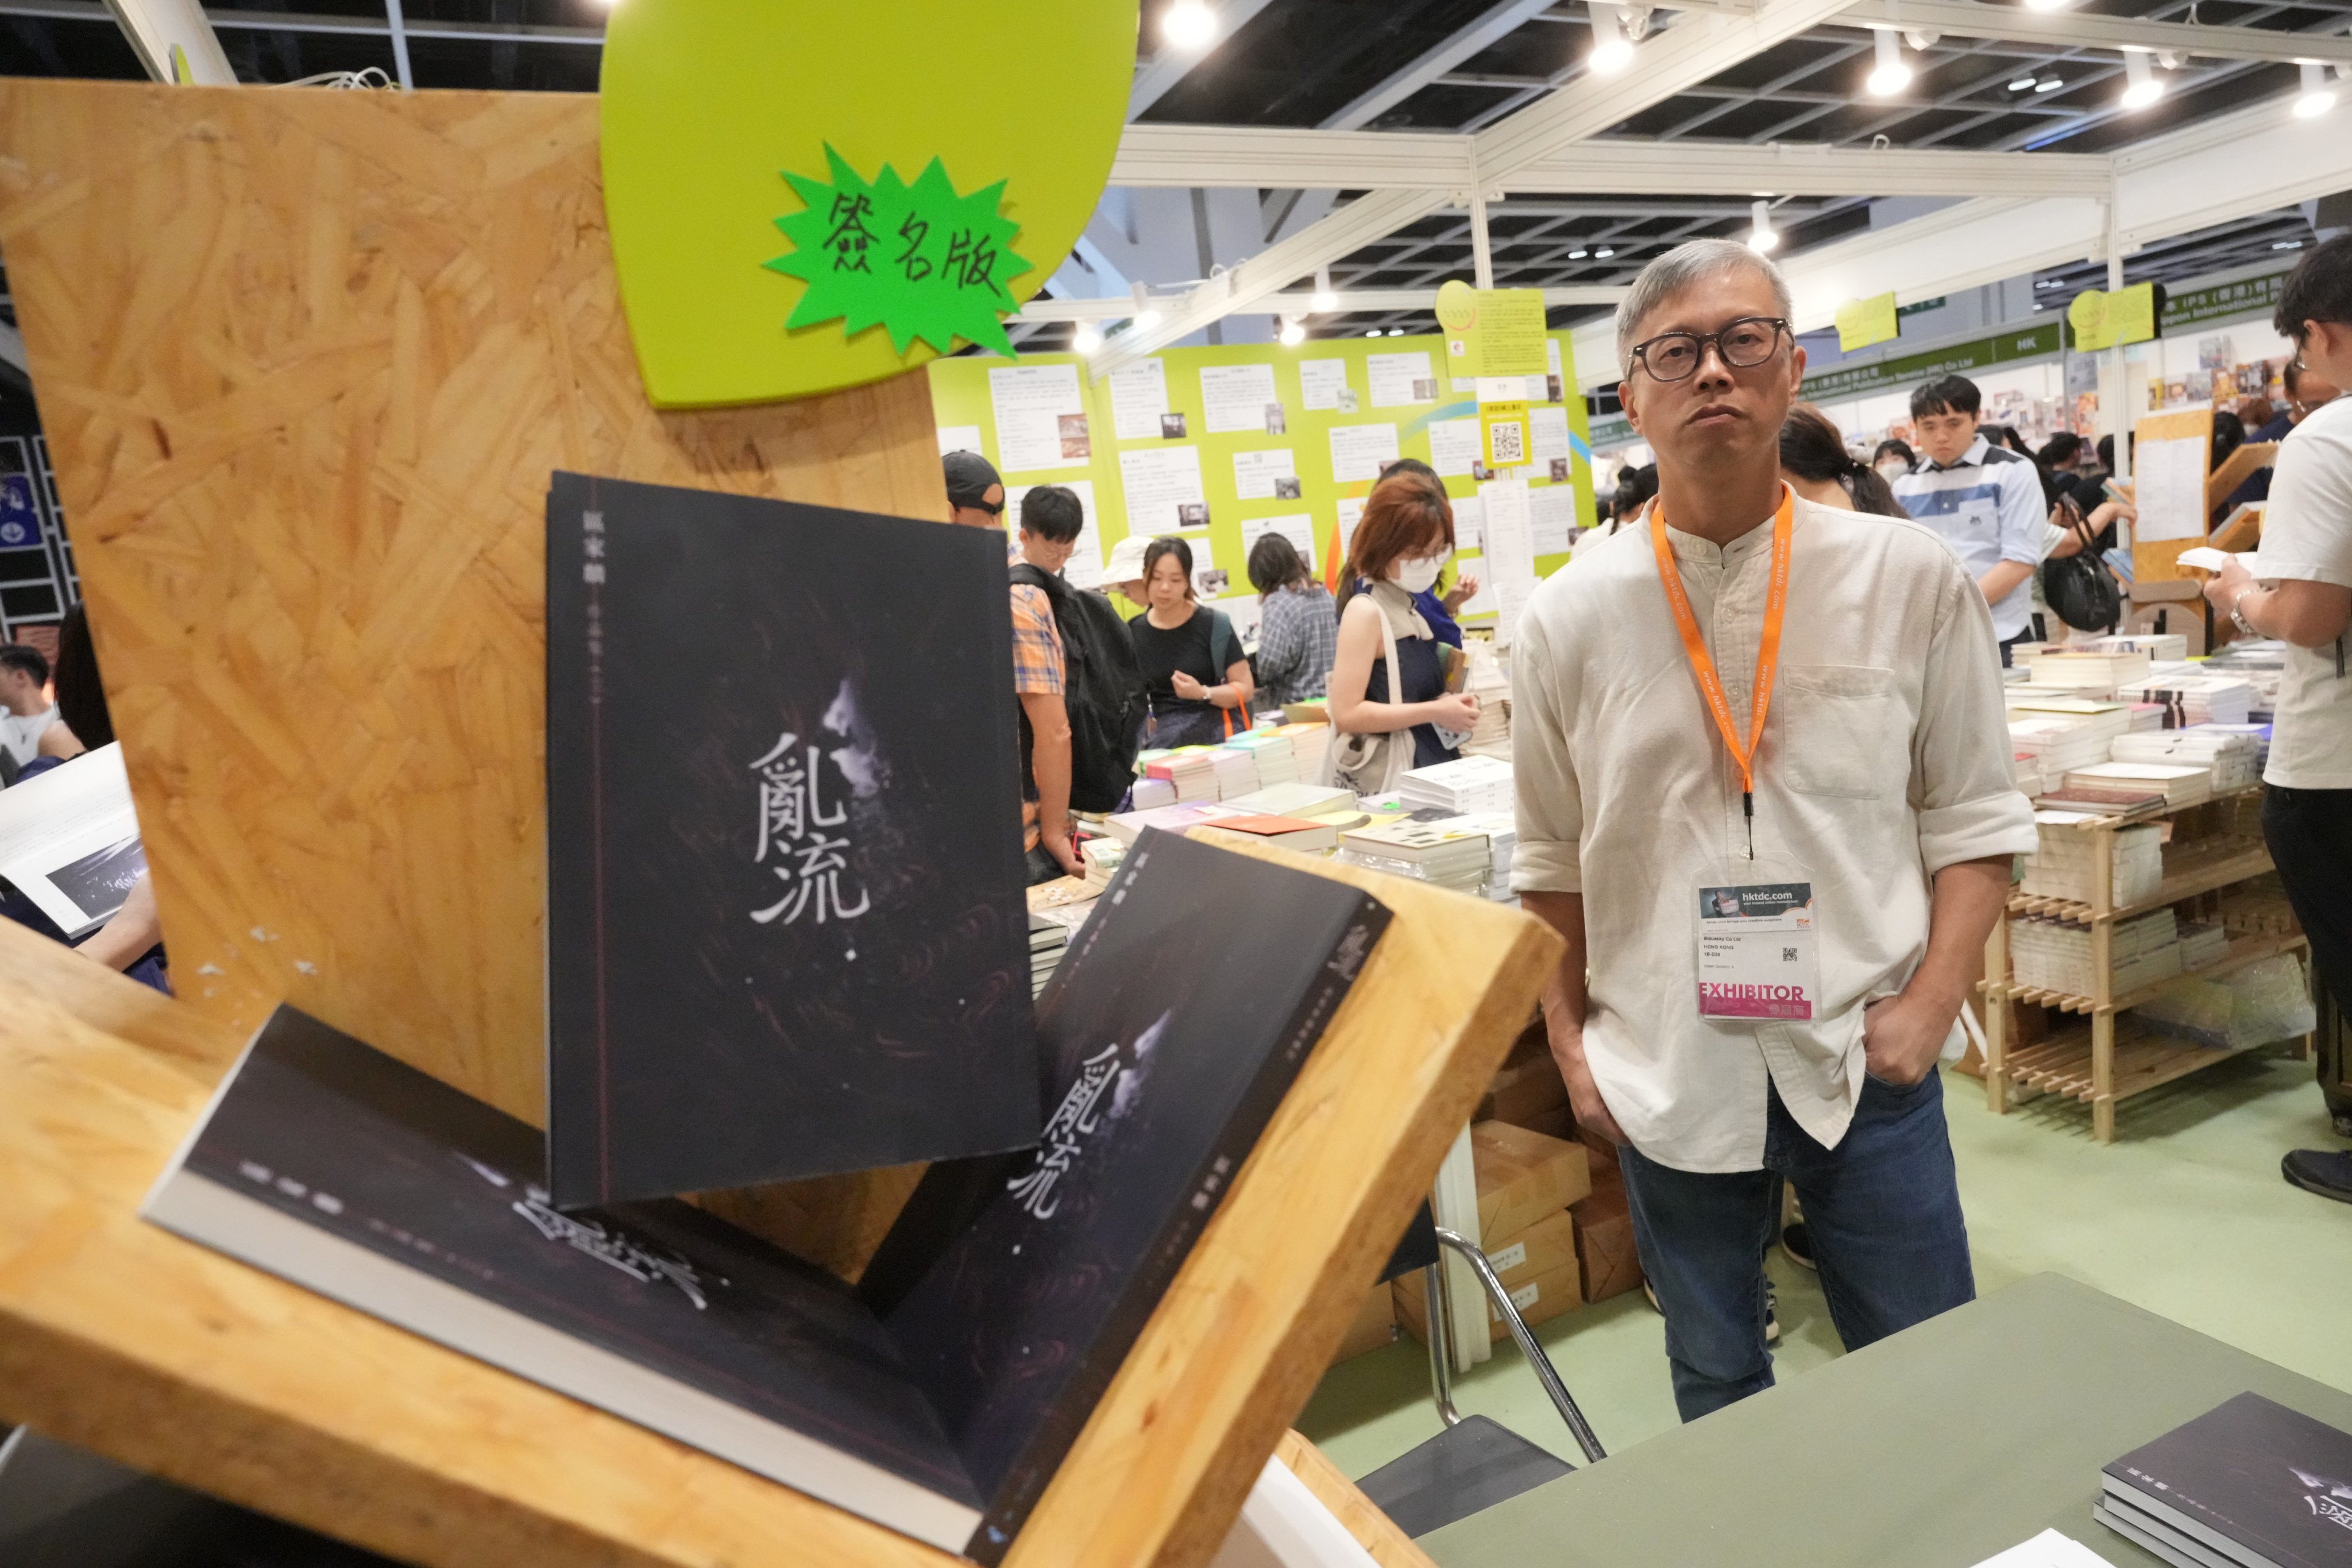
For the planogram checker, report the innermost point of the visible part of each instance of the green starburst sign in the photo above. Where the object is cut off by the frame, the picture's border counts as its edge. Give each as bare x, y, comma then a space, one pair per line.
917, 259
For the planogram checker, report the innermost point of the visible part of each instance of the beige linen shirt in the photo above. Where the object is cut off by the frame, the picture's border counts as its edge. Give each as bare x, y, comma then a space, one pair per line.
1886, 758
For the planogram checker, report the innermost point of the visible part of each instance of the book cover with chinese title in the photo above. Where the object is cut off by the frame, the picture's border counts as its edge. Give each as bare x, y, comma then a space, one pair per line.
785, 927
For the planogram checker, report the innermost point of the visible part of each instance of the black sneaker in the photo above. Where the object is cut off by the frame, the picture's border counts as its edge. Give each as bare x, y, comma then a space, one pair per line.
2320, 1171
1797, 1244
1771, 1314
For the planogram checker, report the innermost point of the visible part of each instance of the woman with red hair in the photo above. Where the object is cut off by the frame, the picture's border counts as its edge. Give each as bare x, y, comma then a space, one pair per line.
1389, 701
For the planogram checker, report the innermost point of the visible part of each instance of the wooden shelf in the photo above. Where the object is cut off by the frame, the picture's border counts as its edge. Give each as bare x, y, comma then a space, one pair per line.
2242, 951
2146, 813
2064, 1066
2198, 873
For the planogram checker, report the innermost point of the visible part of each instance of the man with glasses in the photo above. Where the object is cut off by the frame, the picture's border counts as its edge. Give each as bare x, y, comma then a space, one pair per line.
1986, 500
2300, 591
1764, 792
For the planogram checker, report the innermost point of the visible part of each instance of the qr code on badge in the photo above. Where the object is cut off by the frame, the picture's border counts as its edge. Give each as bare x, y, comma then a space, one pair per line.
1510, 443
1788, 955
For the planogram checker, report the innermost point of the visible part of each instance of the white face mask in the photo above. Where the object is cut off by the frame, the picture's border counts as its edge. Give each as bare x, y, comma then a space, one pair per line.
1893, 469
1417, 574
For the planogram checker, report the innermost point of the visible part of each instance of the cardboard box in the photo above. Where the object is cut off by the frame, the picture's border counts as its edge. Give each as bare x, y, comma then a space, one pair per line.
1544, 1282
1373, 1327
1522, 1177
1524, 1091
1604, 1237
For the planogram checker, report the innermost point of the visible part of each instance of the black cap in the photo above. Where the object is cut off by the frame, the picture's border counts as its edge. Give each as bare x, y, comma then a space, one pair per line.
969, 476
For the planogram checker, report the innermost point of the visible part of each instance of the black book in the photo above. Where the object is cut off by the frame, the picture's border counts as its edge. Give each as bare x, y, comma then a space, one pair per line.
939, 1395
785, 922
2249, 1480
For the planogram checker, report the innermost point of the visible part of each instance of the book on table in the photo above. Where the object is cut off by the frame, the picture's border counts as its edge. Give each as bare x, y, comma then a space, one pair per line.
784, 926
70, 840
936, 1396
2249, 1484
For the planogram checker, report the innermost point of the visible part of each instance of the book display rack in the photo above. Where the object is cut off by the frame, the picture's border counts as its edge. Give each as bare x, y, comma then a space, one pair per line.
311, 540
2214, 852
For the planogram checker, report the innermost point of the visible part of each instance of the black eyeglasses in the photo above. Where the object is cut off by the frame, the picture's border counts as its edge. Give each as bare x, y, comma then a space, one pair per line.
1744, 344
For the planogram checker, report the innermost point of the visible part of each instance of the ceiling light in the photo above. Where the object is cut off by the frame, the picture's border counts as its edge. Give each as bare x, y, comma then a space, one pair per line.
1371, 332
1396, 331
1604, 253
2141, 87
2317, 97
1578, 254
1188, 24
1891, 75
1085, 339
2023, 84
1611, 51
1761, 237
2287, 245
2047, 5
2047, 84
1293, 332
1325, 299
1147, 314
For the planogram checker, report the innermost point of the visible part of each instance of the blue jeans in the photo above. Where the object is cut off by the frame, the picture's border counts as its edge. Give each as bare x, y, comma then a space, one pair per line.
1882, 1210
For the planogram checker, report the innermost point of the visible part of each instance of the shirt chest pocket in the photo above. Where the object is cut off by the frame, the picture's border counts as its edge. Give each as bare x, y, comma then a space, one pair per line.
1844, 730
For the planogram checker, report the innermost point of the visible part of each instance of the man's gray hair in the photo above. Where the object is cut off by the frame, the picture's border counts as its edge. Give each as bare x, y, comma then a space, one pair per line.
1691, 262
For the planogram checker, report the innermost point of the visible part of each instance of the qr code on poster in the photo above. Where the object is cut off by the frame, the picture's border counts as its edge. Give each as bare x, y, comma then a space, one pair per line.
1510, 443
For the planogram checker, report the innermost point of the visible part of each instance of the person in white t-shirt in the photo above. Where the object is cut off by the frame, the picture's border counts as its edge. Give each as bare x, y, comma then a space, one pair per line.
2300, 592
24, 710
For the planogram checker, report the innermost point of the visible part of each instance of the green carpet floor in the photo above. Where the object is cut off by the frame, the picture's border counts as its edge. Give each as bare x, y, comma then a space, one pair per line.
2184, 1215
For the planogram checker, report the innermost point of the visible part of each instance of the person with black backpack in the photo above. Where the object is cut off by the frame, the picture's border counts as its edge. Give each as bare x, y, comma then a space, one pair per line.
1081, 694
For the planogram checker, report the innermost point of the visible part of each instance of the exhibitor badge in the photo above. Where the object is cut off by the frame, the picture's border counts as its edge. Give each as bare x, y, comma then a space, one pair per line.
1757, 953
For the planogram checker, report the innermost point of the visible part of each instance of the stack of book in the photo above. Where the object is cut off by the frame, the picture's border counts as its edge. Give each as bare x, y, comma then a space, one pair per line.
2161, 647
1296, 799
2055, 954
1149, 794
1301, 835
1491, 736
1048, 939
1102, 857
2230, 757
1310, 744
1451, 852
2197, 699
2180, 784
2260, 734
1191, 769
2080, 669
1465, 784
2249, 1484
2061, 866
2202, 944
1502, 831
2147, 716
1129, 826
1276, 756
2259, 665
2027, 772
2057, 743
1234, 770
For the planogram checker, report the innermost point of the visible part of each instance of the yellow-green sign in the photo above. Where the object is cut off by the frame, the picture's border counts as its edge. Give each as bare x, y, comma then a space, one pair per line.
712, 107
1862, 322
2102, 320
1492, 332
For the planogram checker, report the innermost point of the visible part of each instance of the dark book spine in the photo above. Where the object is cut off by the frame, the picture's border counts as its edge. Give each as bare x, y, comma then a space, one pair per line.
1029, 1475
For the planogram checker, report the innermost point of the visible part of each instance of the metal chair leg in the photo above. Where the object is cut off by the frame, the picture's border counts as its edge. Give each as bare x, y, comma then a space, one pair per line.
1546, 1373
1441, 1342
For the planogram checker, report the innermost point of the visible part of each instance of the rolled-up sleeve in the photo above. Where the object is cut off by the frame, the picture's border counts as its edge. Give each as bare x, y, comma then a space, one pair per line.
1963, 773
2024, 519
1551, 806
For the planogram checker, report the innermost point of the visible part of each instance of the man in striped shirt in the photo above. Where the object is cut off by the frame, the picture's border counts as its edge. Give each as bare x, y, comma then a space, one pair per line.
1985, 502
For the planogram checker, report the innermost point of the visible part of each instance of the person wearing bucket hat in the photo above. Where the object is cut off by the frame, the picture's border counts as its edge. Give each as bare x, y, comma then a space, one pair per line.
1123, 574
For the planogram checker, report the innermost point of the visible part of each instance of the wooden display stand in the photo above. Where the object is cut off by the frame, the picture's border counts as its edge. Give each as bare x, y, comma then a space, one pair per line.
2093, 1062
306, 359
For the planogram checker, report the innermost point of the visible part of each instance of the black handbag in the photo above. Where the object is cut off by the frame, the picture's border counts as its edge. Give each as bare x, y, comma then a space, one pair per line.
2081, 589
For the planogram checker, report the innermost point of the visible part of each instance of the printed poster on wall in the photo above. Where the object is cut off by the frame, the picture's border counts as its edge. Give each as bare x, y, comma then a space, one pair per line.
1138, 399
1351, 512
1239, 397
1163, 490
960, 438
1362, 451
1270, 475
1400, 379
1510, 552
1551, 518
1040, 417
1209, 579
1323, 384
1454, 446
1299, 529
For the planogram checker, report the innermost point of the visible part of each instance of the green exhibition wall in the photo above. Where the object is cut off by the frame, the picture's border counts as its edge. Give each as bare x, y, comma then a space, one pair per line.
1069, 432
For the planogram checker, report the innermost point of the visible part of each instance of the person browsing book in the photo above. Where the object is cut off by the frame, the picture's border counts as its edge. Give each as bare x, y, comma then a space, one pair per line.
1799, 707
1438, 609
1389, 701
1194, 667
1986, 500
1298, 626
2300, 591
976, 499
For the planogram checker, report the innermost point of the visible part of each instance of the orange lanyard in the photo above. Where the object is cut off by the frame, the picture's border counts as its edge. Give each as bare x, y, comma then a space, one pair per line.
1768, 657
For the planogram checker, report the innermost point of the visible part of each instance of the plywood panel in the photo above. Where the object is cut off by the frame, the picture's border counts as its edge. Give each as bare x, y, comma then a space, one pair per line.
306, 361
124, 1339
